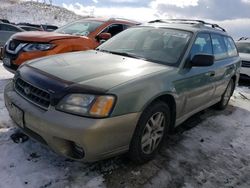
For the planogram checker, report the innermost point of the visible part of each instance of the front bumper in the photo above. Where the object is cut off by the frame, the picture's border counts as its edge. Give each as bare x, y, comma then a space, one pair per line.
99, 138
21, 57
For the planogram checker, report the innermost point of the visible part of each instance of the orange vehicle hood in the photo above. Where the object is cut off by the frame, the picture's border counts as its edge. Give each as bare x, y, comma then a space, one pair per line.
41, 36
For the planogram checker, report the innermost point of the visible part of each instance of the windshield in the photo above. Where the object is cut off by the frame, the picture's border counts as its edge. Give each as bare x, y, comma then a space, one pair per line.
158, 45
82, 28
243, 47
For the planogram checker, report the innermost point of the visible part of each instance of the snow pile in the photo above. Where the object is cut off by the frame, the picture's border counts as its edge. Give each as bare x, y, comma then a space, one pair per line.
210, 150
34, 12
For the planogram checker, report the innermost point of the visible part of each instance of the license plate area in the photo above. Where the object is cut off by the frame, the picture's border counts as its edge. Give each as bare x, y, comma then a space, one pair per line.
17, 115
6, 61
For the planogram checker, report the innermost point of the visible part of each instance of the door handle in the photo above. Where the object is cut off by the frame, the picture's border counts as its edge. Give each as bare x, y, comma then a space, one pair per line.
212, 74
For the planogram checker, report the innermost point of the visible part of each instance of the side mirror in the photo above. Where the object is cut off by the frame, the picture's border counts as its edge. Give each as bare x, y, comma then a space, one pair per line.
202, 60
104, 36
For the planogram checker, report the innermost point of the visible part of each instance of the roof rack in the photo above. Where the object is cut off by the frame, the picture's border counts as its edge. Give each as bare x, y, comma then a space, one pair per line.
243, 38
188, 21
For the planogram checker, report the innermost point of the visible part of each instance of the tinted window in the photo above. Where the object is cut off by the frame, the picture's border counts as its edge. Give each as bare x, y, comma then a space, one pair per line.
126, 26
114, 29
164, 46
231, 48
202, 45
5, 27
243, 47
219, 47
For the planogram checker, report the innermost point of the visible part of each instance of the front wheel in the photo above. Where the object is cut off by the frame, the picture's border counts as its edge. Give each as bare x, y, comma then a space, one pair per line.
150, 132
226, 96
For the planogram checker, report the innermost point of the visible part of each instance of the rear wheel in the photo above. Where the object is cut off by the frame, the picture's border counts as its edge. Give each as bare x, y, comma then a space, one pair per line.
226, 96
150, 132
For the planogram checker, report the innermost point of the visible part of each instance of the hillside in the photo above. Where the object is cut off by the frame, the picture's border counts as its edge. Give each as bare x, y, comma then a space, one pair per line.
32, 12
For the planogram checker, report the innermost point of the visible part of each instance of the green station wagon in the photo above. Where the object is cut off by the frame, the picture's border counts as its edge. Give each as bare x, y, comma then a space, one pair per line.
125, 96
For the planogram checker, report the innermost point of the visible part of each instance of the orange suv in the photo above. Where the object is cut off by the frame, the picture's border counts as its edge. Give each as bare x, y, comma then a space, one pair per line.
77, 36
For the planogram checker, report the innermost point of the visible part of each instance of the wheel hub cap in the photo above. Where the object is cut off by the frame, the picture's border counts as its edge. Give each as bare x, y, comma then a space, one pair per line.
153, 133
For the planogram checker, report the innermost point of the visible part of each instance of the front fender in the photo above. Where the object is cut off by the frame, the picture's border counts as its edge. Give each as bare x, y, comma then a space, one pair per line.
137, 95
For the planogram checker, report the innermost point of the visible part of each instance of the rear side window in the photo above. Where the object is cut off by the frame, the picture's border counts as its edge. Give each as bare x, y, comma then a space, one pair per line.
202, 45
231, 48
219, 47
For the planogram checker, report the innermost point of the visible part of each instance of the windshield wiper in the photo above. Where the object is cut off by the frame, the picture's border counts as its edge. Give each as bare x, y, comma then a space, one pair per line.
126, 54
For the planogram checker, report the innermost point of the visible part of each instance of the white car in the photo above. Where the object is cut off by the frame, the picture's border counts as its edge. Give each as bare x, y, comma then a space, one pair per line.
243, 46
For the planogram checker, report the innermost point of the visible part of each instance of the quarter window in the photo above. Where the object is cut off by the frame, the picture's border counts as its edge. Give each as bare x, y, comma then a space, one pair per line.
202, 45
219, 47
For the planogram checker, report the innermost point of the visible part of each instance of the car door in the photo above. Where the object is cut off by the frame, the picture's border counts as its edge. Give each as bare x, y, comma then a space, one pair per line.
196, 85
226, 58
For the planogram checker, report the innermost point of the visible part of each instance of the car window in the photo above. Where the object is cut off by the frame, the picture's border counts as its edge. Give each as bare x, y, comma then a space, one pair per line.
114, 29
126, 26
219, 47
202, 45
5, 27
231, 48
82, 28
243, 47
160, 45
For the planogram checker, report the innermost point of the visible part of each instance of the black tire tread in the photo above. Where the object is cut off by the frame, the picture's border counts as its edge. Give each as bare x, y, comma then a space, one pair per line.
135, 153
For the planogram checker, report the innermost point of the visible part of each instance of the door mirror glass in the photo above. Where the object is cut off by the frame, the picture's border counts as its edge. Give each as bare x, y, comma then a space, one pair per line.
202, 60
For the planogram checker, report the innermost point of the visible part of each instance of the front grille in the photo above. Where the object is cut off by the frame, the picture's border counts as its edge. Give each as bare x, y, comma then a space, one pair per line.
245, 64
33, 94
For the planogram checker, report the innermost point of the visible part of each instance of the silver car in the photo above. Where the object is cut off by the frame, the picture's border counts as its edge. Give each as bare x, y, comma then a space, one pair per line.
243, 46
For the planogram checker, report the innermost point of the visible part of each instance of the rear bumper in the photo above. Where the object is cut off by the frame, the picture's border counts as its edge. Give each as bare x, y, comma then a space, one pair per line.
99, 138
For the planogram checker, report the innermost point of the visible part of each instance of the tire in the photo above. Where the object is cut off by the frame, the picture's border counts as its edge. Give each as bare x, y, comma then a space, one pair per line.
226, 96
149, 135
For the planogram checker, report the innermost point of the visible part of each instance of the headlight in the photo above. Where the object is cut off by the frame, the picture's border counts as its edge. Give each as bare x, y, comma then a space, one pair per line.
87, 105
38, 47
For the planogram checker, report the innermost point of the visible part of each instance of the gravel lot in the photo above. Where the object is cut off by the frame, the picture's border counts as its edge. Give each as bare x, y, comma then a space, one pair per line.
209, 150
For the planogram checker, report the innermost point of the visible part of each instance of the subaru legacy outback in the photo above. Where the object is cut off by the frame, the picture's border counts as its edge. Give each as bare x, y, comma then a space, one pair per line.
126, 95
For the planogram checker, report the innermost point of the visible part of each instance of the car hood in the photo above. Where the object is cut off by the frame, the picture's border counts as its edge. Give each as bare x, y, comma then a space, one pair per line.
244, 56
96, 69
41, 36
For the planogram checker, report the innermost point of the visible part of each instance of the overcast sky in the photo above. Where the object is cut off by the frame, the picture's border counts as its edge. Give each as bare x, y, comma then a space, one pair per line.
234, 15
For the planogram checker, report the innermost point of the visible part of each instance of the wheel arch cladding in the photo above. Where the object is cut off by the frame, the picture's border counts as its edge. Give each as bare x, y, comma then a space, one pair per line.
170, 101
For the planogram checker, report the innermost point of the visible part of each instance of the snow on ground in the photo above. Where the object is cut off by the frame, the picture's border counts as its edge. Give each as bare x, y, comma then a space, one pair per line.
209, 150
32, 12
